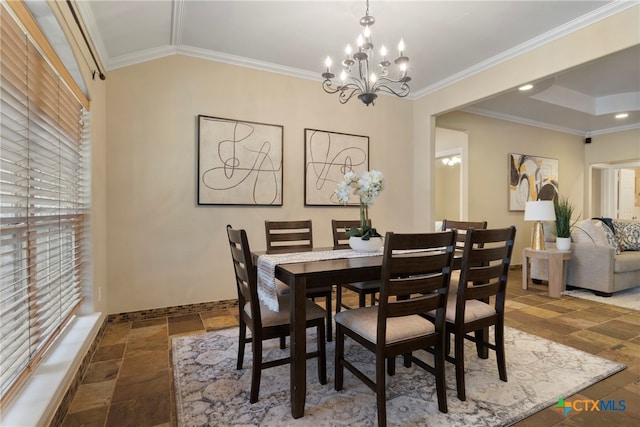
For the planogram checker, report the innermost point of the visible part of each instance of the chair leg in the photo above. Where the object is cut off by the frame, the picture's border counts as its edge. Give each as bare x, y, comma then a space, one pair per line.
256, 370
500, 354
459, 357
339, 368
407, 360
322, 356
447, 343
329, 323
241, 343
283, 343
381, 396
441, 384
338, 298
482, 336
373, 298
391, 365
362, 299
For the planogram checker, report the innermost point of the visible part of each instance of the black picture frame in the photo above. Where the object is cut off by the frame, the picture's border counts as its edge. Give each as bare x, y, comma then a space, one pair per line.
239, 162
328, 156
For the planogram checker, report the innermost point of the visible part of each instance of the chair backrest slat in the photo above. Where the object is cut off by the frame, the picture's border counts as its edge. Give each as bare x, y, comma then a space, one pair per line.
485, 266
418, 263
415, 282
284, 236
462, 227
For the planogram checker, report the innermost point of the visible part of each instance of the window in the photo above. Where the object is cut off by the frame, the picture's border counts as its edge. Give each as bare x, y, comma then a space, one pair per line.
43, 203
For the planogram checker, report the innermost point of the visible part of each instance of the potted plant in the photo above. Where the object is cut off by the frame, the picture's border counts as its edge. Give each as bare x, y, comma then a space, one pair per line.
564, 222
367, 187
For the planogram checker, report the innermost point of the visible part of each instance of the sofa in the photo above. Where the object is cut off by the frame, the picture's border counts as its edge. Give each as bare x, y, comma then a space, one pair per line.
605, 255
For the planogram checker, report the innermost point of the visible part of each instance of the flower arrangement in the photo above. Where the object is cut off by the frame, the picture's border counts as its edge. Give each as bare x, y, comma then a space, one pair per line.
367, 187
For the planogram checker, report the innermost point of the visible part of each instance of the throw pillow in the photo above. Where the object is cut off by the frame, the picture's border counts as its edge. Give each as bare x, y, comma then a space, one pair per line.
587, 231
628, 234
611, 238
594, 232
607, 221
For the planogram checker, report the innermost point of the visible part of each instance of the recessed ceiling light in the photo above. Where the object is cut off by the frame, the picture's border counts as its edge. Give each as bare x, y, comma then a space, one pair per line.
526, 87
622, 115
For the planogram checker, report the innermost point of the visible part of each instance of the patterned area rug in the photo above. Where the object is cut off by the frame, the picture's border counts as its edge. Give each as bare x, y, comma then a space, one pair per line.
211, 392
629, 298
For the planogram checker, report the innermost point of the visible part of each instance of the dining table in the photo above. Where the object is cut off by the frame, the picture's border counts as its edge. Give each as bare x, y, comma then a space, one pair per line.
300, 276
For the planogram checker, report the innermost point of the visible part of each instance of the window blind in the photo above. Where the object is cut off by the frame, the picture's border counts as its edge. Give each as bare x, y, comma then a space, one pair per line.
43, 204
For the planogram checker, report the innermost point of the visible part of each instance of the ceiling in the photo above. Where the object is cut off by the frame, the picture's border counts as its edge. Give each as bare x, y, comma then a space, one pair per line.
445, 40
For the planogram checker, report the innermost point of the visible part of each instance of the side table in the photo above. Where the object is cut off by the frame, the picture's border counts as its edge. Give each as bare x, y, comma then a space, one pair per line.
556, 261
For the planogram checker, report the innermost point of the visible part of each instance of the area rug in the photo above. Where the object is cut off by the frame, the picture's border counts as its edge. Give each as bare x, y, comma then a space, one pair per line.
629, 298
211, 392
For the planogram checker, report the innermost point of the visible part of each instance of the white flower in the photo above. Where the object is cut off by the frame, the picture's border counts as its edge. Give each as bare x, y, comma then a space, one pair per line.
367, 187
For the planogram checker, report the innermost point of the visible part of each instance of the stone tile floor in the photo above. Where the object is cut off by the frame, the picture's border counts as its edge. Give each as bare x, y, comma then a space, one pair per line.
129, 381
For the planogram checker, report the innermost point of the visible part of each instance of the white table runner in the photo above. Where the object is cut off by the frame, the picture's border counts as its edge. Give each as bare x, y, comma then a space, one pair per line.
267, 266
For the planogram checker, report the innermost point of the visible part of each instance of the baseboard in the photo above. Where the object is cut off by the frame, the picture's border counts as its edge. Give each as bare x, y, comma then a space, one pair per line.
177, 310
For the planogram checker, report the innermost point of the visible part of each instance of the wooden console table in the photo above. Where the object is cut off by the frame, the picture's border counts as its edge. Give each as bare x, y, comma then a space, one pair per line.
556, 261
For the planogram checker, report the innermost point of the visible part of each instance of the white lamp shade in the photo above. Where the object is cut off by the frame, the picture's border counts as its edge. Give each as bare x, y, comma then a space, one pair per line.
539, 210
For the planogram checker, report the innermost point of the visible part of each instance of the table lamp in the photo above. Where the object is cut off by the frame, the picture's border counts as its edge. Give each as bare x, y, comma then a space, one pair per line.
539, 210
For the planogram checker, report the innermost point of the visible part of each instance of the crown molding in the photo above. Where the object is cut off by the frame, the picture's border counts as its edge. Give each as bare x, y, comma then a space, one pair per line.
534, 43
524, 121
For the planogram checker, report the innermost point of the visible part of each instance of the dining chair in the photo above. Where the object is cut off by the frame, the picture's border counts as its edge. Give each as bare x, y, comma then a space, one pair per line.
341, 241
412, 283
292, 236
263, 323
462, 227
479, 300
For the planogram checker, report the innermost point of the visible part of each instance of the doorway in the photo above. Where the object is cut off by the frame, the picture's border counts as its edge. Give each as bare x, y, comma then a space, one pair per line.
615, 190
451, 175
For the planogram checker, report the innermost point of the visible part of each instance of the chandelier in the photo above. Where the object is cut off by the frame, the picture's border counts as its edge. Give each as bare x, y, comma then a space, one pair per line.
365, 81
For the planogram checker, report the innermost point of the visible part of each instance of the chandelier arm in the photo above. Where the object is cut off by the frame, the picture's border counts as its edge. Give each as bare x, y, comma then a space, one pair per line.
328, 87
355, 84
401, 92
346, 91
344, 98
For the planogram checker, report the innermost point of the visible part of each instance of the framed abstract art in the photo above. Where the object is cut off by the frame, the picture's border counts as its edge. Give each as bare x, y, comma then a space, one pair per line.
239, 162
327, 157
531, 178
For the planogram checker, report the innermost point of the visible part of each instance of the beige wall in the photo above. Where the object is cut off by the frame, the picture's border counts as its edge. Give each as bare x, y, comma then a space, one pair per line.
163, 249
490, 142
614, 147
609, 35
447, 192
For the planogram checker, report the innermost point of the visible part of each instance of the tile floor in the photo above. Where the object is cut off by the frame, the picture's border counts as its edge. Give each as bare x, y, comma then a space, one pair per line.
129, 381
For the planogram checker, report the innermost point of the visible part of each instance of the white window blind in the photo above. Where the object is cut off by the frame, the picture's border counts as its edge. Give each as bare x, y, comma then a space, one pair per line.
43, 204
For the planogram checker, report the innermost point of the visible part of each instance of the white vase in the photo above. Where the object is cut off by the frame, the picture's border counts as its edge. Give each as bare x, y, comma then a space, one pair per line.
371, 245
563, 243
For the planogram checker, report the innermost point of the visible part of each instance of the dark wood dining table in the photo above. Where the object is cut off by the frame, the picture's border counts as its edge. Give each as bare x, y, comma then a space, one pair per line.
301, 276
